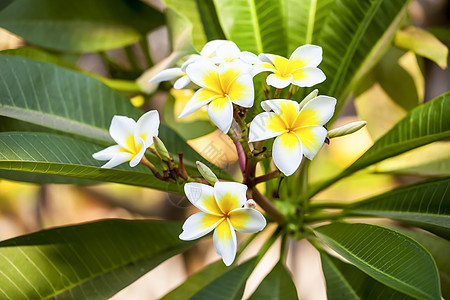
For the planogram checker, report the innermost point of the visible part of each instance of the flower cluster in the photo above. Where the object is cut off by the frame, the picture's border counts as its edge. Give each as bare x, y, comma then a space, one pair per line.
222, 75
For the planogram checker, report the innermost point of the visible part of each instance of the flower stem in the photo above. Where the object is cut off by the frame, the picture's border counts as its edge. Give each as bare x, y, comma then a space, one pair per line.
270, 209
274, 174
283, 248
182, 170
152, 168
277, 93
292, 90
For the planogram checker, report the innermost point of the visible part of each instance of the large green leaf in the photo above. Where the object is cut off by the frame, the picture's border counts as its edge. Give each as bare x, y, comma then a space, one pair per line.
254, 25
304, 20
353, 37
88, 261
71, 102
278, 284
64, 156
230, 285
429, 160
190, 10
425, 202
197, 281
386, 255
80, 25
44, 56
345, 282
423, 125
439, 250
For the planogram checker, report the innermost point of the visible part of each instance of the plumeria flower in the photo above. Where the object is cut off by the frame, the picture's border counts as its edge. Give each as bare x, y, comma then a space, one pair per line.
300, 69
298, 129
171, 74
132, 139
221, 86
222, 210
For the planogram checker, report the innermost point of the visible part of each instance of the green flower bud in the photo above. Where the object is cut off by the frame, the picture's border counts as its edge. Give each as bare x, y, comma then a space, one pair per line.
161, 148
206, 173
346, 129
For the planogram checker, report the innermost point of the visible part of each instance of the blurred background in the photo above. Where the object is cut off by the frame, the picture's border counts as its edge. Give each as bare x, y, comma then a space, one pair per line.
26, 208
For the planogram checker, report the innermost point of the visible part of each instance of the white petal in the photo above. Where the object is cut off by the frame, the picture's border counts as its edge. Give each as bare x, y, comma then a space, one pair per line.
280, 106
318, 111
228, 51
121, 129
205, 74
182, 82
312, 138
311, 55
192, 59
265, 57
220, 111
198, 225
118, 159
266, 125
167, 74
242, 92
108, 153
249, 58
279, 82
202, 197
147, 127
247, 220
287, 153
137, 158
230, 195
198, 100
307, 77
225, 243
209, 50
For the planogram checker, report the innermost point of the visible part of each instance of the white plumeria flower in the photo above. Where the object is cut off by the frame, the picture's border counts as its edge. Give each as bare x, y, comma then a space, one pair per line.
221, 86
222, 211
132, 139
298, 129
300, 69
171, 74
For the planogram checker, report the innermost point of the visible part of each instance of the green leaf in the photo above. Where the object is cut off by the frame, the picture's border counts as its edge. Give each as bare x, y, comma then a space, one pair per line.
180, 32
355, 34
230, 285
439, 250
304, 20
74, 103
190, 10
423, 125
425, 202
422, 43
429, 160
42, 178
278, 284
345, 281
210, 21
41, 55
64, 156
93, 260
80, 25
197, 281
386, 255
254, 25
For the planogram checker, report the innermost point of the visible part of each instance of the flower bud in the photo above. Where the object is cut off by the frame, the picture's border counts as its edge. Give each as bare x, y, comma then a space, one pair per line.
250, 203
206, 173
346, 129
161, 148
310, 96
